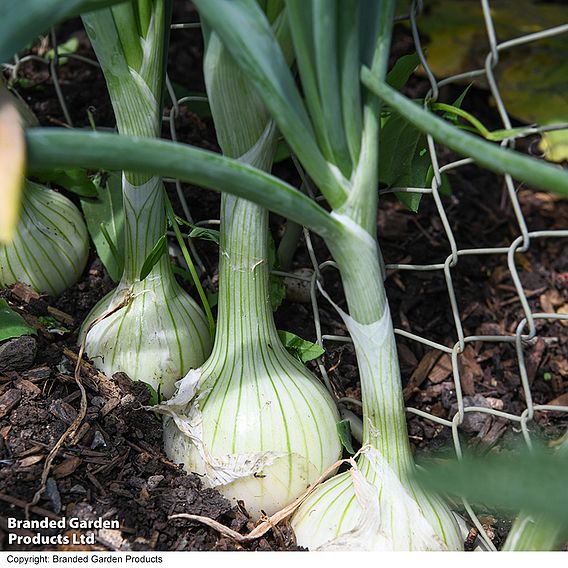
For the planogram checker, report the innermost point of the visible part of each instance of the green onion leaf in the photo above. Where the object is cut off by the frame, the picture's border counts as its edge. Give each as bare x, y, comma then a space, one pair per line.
22, 22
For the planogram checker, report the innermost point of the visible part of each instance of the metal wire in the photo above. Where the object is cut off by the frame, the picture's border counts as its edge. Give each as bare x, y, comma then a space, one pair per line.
525, 329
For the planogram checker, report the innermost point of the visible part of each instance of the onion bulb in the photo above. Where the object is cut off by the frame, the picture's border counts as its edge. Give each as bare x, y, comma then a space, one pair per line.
51, 245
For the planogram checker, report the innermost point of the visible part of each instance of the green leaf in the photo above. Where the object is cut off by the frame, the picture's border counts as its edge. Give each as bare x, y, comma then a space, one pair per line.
105, 222
154, 257
459, 101
182, 273
349, 57
212, 298
410, 200
60, 147
247, 35
205, 234
282, 153
74, 180
273, 9
12, 324
155, 396
52, 325
299, 348
534, 482
403, 159
70, 46
175, 223
23, 83
277, 291
445, 187
493, 157
200, 232
344, 433
277, 288
402, 70
326, 54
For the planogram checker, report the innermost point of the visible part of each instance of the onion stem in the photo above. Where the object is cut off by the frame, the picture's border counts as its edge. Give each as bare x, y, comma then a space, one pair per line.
162, 333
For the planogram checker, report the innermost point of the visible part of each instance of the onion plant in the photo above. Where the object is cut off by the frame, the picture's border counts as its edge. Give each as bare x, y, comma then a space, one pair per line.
259, 426
60, 148
50, 247
333, 130
334, 133
156, 332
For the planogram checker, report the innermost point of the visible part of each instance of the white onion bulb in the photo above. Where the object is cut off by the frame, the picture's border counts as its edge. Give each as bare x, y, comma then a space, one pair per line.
51, 245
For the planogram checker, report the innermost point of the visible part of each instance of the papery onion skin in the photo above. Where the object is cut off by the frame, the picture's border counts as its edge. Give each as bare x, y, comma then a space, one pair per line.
386, 515
285, 414
51, 245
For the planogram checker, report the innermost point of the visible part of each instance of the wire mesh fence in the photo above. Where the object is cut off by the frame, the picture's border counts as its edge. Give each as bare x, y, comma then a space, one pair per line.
526, 330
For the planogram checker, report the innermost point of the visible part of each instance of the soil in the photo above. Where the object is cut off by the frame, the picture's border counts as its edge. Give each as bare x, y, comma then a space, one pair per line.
115, 468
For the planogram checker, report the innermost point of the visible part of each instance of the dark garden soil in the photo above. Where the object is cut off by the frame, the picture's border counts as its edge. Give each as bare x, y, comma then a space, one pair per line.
114, 467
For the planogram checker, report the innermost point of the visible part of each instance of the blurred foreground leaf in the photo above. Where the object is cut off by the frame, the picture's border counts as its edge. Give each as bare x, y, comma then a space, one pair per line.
12, 165
533, 482
21, 22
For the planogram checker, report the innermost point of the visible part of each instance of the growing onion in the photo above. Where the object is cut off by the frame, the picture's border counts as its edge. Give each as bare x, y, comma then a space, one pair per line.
51, 245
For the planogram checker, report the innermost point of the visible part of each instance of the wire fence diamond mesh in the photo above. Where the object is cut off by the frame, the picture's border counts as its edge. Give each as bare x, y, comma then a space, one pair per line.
526, 330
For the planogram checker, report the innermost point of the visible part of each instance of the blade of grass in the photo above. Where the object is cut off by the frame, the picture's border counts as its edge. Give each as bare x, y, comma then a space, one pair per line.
187, 257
